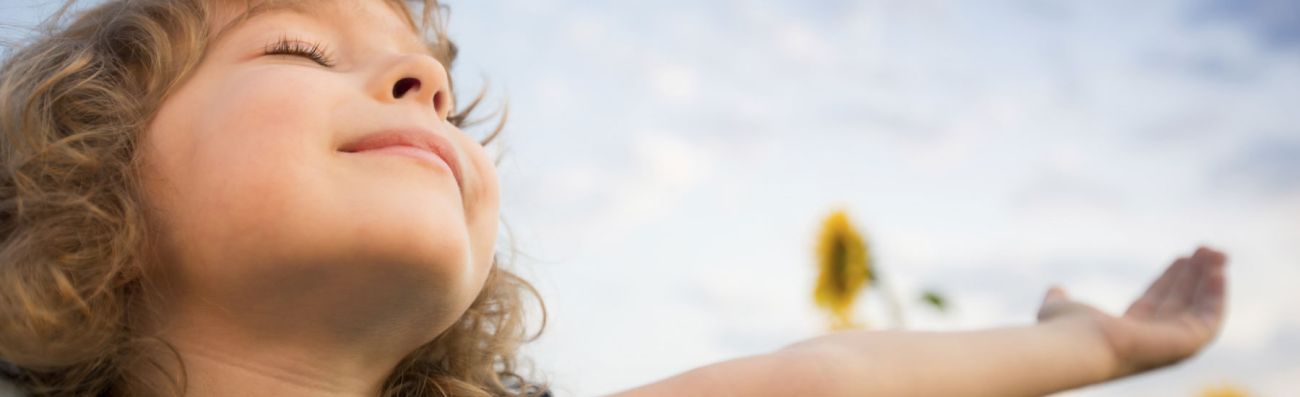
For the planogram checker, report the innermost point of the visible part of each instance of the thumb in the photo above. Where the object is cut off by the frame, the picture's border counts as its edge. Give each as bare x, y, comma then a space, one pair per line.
1056, 293
1052, 302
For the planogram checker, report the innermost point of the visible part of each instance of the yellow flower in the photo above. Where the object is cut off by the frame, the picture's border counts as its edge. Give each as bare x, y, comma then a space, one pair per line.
844, 269
1223, 391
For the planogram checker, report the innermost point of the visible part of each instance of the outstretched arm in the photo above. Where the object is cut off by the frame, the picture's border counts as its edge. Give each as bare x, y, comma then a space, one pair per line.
1072, 345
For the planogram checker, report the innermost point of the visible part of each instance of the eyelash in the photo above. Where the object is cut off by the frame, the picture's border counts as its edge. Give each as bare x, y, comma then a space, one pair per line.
314, 51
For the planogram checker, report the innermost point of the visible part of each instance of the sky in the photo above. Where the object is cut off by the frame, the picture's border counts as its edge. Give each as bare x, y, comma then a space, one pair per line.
666, 166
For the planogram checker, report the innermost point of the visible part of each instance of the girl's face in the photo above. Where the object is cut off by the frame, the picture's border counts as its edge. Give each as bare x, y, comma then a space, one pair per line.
264, 214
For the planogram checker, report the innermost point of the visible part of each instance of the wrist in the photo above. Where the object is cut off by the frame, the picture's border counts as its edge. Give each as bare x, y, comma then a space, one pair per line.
1091, 349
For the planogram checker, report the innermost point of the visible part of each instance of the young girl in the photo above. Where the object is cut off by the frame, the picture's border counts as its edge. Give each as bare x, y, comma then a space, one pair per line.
245, 197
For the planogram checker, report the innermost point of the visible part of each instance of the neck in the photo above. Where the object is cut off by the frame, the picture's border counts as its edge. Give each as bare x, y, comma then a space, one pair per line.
343, 351
219, 360
293, 330
219, 371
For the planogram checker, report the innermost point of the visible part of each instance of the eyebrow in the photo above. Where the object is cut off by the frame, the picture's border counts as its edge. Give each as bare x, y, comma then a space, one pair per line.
300, 8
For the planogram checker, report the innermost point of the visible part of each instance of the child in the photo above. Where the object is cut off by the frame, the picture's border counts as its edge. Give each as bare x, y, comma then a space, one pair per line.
245, 197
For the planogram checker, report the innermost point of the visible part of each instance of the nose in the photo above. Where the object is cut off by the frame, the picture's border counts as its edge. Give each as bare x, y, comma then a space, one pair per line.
417, 78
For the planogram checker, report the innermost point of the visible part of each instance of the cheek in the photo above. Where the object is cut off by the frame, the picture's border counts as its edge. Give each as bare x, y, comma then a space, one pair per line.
259, 141
483, 213
267, 114
241, 156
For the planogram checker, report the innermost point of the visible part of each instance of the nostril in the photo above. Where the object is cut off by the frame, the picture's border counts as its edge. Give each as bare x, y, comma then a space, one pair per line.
404, 85
439, 101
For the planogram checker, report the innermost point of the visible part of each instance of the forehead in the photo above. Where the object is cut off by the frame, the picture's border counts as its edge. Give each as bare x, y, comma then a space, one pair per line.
390, 16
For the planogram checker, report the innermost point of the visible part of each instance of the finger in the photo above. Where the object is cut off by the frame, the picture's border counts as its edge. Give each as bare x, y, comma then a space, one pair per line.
1211, 293
1056, 293
1182, 290
1200, 263
1202, 260
1146, 305
1210, 253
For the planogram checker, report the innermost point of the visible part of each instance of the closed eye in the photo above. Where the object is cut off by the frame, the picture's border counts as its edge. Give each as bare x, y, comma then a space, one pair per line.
314, 51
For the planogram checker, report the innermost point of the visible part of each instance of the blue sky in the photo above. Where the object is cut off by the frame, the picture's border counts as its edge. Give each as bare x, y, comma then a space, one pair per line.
667, 164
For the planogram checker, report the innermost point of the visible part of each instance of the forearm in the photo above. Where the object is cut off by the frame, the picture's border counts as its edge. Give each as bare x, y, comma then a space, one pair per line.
1031, 360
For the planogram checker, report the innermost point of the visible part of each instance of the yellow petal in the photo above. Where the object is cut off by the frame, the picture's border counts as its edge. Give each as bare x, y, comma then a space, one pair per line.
843, 266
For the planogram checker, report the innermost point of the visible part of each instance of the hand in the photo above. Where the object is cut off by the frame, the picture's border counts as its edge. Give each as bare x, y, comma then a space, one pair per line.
1178, 315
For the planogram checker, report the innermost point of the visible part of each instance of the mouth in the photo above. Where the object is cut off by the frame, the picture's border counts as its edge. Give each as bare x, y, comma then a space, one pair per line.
421, 144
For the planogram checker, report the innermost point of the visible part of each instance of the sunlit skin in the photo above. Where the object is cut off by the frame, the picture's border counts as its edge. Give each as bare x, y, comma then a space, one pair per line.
291, 268
1073, 344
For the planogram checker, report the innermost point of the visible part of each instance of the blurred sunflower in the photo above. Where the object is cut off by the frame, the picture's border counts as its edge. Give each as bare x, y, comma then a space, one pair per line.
844, 269
1223, 391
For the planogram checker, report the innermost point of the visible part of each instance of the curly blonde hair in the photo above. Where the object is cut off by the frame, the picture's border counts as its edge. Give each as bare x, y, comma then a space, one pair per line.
74, 102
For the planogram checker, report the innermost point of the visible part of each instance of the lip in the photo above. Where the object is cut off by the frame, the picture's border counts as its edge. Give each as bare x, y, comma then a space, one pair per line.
394, 141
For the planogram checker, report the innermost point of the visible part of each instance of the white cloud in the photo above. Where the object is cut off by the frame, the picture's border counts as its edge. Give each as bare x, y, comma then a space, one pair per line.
674, 82
667, 167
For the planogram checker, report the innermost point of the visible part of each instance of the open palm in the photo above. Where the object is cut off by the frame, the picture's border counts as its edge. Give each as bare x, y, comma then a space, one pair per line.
1179, 314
